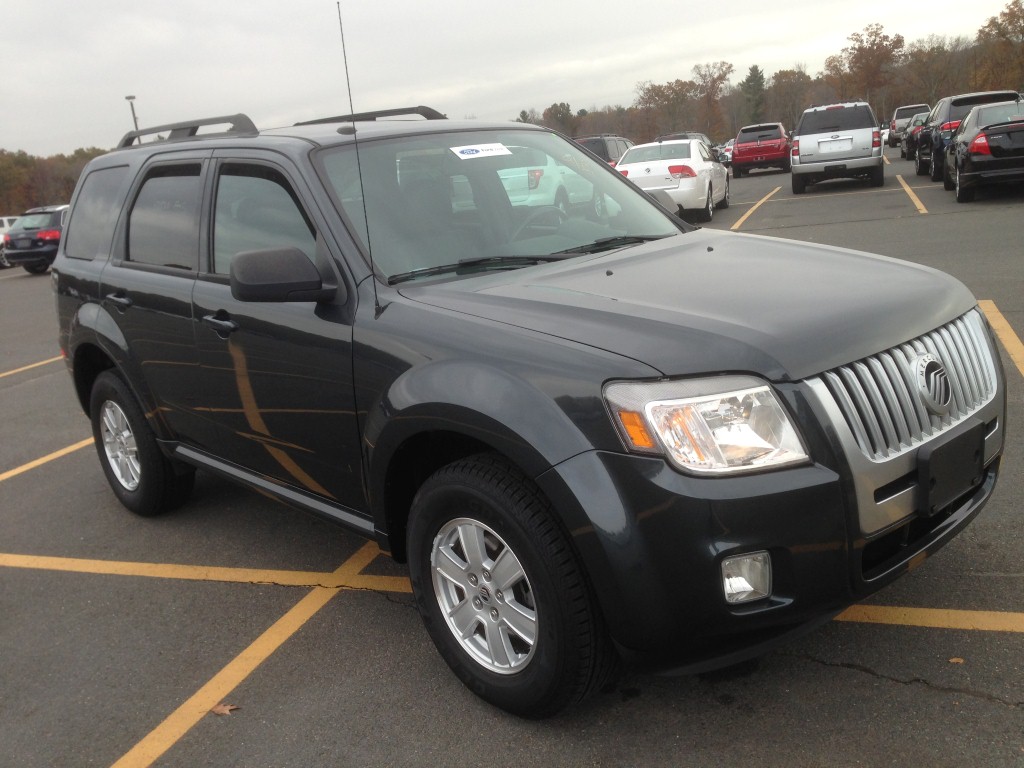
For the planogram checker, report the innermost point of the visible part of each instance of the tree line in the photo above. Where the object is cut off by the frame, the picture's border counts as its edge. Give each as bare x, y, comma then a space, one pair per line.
876, 67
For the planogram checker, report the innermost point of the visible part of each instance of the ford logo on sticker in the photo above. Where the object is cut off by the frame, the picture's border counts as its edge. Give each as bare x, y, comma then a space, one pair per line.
469, 151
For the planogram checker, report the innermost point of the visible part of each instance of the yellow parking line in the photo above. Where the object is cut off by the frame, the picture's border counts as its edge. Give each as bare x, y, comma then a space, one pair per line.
757, 205
44, 460
1010, 340
910, 193
985, 621
30, 367
182, 720
351, 580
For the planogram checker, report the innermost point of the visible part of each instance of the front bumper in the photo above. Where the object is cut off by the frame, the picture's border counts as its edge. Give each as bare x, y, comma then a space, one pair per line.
837, 530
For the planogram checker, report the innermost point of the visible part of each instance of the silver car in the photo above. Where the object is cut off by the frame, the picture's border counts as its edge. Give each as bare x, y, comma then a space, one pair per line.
836, 141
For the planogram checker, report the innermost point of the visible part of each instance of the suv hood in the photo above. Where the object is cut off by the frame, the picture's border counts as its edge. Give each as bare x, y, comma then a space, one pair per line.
708, 302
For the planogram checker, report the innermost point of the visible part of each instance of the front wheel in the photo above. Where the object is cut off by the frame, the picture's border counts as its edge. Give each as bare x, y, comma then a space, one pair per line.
142, 478
501, 592
920, 164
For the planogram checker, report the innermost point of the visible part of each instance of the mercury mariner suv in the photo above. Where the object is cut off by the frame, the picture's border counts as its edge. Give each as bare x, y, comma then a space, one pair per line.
593, 432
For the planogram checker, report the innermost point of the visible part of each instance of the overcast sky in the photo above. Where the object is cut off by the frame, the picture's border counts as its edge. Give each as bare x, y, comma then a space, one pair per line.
68, 65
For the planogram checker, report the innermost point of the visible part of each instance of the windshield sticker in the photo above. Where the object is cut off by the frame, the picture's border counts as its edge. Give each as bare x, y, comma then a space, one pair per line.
480, 150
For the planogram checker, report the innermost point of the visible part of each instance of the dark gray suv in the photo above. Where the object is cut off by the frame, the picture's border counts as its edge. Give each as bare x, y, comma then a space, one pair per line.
594, 432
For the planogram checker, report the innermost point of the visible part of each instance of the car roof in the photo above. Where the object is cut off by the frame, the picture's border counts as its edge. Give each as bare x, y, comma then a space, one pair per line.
836, 105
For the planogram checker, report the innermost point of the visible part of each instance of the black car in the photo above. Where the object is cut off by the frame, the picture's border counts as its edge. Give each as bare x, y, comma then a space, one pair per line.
33, 239
987, 148
942, 121
593, 434
908, 142
607, 146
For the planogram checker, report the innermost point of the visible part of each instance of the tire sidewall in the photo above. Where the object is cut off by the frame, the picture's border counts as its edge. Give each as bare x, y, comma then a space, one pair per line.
150, 497
535, 690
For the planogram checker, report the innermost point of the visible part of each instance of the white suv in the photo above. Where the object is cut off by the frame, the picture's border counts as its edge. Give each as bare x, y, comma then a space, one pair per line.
836, 141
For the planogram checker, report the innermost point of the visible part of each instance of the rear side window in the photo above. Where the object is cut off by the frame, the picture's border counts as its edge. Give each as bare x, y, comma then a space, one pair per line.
163, 225
836, 119
91, 228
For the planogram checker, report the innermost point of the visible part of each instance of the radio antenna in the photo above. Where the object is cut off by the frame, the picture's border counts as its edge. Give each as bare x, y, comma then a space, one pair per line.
359, 167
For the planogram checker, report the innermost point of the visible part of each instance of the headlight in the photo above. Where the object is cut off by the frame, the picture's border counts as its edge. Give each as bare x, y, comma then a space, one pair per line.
712, 426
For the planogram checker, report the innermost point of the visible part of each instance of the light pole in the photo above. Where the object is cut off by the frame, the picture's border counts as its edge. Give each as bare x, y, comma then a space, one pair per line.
131, 103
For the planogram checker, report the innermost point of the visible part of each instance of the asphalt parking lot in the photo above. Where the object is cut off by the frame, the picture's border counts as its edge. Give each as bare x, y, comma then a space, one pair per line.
119, 635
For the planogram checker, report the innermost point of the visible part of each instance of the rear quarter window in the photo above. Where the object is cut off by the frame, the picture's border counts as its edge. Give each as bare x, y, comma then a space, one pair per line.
91, 228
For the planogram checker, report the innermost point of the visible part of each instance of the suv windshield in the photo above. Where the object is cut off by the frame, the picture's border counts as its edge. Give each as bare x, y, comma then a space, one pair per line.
835, 119
483, 199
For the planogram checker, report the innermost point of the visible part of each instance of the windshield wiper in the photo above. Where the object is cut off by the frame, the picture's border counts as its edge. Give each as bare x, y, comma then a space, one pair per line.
469, 264
610, 243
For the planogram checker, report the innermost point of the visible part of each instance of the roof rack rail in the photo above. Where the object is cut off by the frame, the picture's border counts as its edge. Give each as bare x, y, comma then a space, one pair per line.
240, 125
425, 112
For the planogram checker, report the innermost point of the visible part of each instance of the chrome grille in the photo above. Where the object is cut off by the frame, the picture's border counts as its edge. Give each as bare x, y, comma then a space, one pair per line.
878, 395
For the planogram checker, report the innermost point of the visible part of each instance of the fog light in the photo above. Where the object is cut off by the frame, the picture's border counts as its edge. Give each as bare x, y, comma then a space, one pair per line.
747, 577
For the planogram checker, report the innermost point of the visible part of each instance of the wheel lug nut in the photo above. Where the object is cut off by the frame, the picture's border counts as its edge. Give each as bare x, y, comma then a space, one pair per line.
478, 603
494, 613
487, 575
499, 595
473, 579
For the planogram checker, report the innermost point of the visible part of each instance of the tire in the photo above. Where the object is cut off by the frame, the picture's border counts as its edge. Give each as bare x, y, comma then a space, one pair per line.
911, 153
36, 269
948, 183
935, 172
963, 194
787, 166
903, 152
736, 172
799, 184
919, 164
878, 176
708, 212
141, 477
725, 200
490, 531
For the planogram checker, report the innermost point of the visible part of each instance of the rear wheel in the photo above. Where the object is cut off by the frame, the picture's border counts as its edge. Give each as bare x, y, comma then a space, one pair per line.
709, 206
725, 200
963, 194
737, 172
501, 592
935, 168
36, 269
878, 176
799, 184
142, 478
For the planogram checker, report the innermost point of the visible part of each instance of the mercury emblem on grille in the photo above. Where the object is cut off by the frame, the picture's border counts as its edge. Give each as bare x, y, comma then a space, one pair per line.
932, 383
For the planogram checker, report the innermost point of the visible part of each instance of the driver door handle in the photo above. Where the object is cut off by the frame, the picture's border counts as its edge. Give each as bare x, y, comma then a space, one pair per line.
222, 323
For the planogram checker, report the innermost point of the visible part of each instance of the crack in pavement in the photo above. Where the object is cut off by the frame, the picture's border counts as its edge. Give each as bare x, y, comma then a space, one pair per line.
984, 696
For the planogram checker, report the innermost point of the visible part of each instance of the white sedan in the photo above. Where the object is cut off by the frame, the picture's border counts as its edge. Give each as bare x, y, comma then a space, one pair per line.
687, 171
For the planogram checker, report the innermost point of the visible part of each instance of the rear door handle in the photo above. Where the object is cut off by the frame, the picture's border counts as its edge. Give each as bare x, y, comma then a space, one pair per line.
221, 323
120, 300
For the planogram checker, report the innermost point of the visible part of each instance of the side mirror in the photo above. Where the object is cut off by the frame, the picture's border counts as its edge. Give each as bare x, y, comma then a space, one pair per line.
277, 274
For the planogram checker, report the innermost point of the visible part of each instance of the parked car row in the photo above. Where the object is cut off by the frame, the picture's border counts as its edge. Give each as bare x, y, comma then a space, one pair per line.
968, 141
